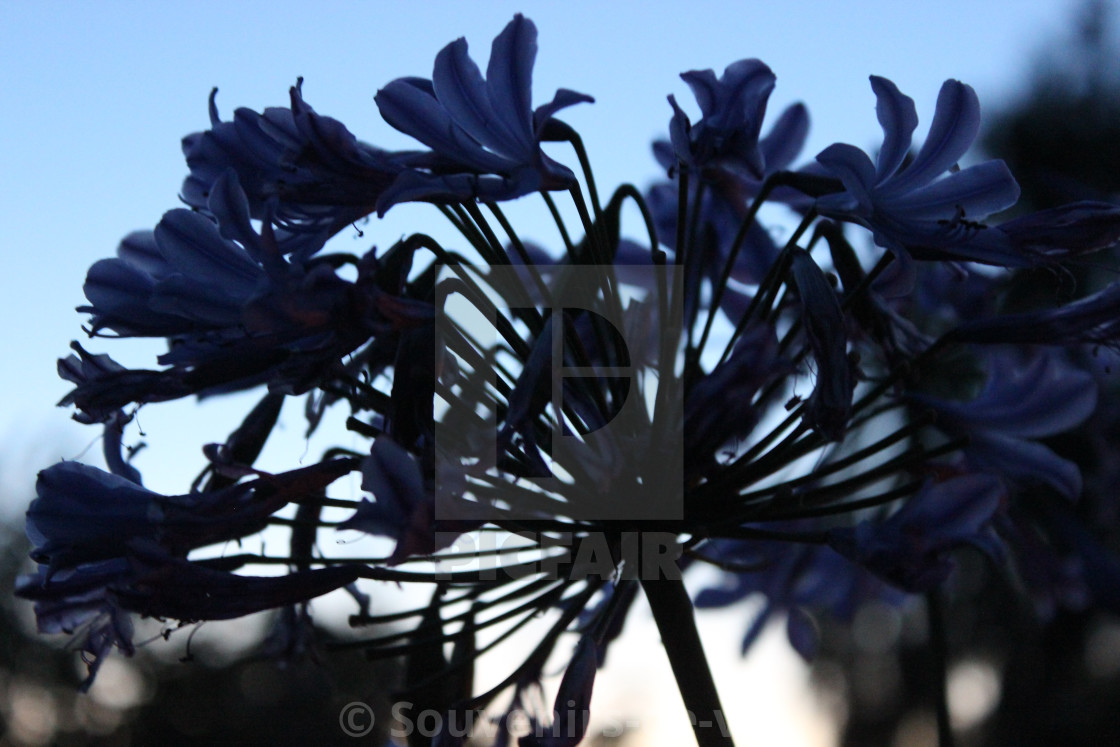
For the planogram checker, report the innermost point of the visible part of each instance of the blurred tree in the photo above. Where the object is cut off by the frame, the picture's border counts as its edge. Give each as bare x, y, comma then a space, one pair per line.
1062, 141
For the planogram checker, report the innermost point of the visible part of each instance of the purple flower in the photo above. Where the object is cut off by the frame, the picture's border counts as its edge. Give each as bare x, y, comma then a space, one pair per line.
571, 713
104, 386
830, 405
84, 515
404, 507
720, 405
107, 546
1069, 230
304, 171
794, 579
78, 602
93, 599
484, 134
725, 190
911, 547
237, 313
915, 208
1020, 403
1093, 320
733, 107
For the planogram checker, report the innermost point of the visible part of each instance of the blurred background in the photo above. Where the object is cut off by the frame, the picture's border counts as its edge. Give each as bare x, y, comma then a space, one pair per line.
97, 97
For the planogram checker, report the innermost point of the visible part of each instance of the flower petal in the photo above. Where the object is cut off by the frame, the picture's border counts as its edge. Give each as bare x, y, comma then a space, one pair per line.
898, 118
973, 193
459, 87
851, 166
562, 100
1025, 461
408, 105
786, 138
956, 121
509, 77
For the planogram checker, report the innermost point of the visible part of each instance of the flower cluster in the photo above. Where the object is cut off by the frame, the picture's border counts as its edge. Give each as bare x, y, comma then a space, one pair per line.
826, 418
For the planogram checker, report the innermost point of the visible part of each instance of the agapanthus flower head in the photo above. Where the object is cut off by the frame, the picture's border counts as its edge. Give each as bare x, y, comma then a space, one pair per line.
543, 432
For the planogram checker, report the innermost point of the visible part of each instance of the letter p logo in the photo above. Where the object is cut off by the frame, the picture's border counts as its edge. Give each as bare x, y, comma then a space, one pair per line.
584, 422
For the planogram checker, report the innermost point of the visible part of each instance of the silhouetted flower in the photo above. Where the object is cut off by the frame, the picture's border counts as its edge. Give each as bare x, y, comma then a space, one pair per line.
304, 171
918, 208
911, 547
733, 106
484, 135
1017, 404
543, 430
237, 313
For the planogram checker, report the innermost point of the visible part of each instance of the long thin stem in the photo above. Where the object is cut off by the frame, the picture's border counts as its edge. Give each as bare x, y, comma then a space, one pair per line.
676, 621
939, 645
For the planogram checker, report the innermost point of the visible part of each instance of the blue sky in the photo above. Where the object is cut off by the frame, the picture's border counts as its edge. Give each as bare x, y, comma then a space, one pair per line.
97, 96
